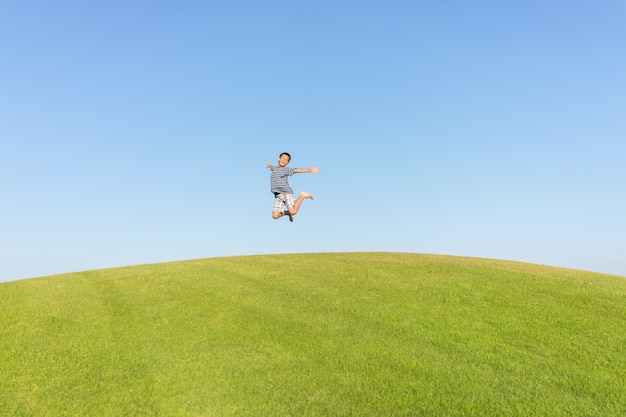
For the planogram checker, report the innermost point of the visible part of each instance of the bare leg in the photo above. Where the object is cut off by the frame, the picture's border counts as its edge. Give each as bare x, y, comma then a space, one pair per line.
298, 202
278, 215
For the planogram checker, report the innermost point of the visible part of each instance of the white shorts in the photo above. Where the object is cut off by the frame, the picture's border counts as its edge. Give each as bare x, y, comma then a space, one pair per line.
284, 201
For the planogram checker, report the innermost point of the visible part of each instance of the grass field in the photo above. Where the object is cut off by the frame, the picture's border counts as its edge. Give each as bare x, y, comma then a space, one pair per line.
337, 334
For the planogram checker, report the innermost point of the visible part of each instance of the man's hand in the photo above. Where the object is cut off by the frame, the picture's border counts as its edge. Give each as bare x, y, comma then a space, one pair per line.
269, 165
315, 169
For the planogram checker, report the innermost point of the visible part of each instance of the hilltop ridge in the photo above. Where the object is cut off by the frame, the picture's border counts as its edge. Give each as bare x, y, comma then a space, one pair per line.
315, 334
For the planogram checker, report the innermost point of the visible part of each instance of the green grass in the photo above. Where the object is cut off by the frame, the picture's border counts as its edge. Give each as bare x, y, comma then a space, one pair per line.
338, 334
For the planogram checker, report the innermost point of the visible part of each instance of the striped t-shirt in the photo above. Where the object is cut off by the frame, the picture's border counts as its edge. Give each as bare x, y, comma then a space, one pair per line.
279, 180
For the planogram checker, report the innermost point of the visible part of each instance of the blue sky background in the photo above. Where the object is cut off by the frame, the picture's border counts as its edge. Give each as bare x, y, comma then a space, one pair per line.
138, 132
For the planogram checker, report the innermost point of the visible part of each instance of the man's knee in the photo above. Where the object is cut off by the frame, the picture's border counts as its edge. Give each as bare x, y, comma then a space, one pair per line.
275, 214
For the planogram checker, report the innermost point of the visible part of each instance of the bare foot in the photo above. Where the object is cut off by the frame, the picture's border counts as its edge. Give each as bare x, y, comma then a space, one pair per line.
306, 195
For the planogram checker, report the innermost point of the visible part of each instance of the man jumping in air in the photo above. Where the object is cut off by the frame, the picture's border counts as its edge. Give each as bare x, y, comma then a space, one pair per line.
285, 204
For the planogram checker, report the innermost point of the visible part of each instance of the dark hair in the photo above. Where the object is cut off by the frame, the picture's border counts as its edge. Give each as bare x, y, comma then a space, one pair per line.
285, 153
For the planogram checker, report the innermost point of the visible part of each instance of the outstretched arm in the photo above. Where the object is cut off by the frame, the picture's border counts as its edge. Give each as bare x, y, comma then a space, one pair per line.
313, 169
270, 166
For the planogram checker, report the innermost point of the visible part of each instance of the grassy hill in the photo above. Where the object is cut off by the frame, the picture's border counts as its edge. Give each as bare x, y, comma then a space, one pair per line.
337, 334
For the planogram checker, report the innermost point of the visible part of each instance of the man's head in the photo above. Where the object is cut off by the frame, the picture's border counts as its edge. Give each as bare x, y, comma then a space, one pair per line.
283, 159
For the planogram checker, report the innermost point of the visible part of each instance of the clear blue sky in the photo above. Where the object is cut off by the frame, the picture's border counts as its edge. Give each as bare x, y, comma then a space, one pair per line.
138, 132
